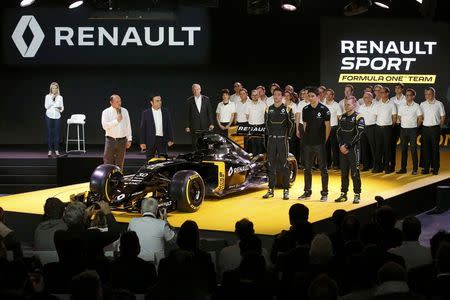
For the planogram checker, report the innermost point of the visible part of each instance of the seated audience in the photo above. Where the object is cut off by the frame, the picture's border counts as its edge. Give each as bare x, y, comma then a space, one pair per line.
336, 237
442, 282
152, 231
230, 257
129, 271
323, 288
412, 252
392, 283
86, 286
52, 222
321, 250
8, 237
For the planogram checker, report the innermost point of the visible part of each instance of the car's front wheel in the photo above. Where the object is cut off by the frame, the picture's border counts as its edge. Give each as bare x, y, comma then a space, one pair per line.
106, 181
188, 190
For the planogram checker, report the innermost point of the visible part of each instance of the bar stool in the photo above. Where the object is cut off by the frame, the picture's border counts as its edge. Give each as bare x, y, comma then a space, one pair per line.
78, 120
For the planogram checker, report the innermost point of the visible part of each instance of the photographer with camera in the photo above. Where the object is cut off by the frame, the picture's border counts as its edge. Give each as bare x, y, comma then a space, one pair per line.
152, 229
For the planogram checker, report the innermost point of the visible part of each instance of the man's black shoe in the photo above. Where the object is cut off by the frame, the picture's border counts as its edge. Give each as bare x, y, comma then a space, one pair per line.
414, 172
356, 199
269, 194
341, 198
401, 171
323, 198
286, 194
435, 172
425, 172
305, 196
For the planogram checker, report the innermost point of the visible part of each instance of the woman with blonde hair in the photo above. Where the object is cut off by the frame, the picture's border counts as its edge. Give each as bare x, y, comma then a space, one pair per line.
54, 107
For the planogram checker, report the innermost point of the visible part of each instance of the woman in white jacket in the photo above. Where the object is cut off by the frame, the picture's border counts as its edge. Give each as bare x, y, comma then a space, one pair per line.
54, 107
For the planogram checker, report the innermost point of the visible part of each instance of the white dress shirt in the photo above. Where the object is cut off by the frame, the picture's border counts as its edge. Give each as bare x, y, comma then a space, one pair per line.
413, 253
225, 111
198, 102
432, 112
157, 116
256, 112
369, 113
152, 234
408, 115
385, 111
114, 128
241, 110
300, 105
269, 101
399, 103
54, 108
235, 98
335, 112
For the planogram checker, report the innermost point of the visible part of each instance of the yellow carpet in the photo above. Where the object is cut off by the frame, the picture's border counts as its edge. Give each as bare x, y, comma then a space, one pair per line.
269, 216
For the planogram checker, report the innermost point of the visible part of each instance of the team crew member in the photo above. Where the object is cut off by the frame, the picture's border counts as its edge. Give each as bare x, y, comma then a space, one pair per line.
293, 139
376, 90
322, 94
262, 93
316, 122
332, 145
368, 142
399, 100
279, 126
386, 118
351, 127
116, 123
270, 100
433, 118
369, 89
242, 108
256, 111
225, 113
299, 125
410, 116
348, 92
237, 91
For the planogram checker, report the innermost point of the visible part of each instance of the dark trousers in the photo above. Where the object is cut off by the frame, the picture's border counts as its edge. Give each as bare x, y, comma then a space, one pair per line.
114, 153
223, 132
53, 126
332, 148
255, 145
409, 136
431, 136
368, 146
194, 139
310, 152
396, 129
277, 154
301, 146
350, 162
383, 135
160, 147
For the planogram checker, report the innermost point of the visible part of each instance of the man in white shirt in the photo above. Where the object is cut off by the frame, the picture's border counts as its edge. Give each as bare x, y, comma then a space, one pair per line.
433, 118
256, 111
399, 99
348, 92
299, 124
332, 146
152, 232
262, 93
369, 89
410, 117
225, 113
368, 111
237, 90
116, 123
273, 86
376, 90
242, 108
386, 118
322, 94
413, 253
156, 130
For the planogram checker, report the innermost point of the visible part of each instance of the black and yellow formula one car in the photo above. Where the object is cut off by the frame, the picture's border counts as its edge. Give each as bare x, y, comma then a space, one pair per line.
219, 167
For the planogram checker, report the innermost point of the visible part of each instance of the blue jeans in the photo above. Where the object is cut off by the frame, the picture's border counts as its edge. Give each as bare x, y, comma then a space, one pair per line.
53, 126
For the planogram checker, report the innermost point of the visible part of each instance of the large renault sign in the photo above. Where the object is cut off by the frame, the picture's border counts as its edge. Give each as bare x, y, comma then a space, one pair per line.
66, 38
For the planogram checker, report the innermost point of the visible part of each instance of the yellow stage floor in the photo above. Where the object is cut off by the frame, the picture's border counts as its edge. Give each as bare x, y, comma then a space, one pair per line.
269, 215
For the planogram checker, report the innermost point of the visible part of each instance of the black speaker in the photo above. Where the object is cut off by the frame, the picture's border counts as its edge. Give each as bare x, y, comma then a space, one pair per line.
442, 200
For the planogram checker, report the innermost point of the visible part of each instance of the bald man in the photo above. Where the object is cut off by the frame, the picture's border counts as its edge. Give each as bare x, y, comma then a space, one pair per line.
116, 123
200, 115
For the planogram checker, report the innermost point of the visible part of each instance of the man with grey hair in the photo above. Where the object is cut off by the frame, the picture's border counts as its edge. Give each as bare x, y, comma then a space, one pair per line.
151, 230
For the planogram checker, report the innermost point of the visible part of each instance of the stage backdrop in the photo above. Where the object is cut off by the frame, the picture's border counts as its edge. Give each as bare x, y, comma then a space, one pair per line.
385, 51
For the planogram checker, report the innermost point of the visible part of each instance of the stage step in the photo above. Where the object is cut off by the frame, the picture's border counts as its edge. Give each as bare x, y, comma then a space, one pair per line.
28, 170
22, 188
27, 179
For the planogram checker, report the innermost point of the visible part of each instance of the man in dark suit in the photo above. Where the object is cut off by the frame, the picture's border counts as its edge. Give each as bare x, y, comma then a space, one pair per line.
156, 128
200, 114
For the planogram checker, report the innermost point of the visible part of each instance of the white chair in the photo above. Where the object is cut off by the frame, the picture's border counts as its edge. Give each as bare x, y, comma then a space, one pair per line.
78, 120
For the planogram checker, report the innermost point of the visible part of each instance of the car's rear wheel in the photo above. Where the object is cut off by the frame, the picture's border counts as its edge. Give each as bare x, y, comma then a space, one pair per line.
188, 190
106, 181
292, 165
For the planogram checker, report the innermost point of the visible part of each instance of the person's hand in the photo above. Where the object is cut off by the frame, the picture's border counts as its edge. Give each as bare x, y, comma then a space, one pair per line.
143, 147
211, 127
297, 133
222, 127
89, 212
187, 129
119, 117
104, 207
128, 144
343, 149
170, 143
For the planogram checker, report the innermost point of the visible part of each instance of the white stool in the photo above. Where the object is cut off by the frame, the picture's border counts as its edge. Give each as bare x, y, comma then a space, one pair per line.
79, 121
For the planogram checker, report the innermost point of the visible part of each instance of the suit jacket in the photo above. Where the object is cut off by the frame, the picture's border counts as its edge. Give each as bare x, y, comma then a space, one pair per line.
148, 129
199, 120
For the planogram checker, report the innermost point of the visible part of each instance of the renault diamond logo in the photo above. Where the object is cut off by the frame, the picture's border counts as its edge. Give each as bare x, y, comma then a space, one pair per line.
38, 36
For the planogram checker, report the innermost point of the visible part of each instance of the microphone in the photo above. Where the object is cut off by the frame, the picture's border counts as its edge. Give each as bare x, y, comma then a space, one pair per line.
54, 98
119, 111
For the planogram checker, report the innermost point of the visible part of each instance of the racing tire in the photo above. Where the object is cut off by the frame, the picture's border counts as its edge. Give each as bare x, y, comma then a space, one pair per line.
106, 181
292, 165
188, 190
